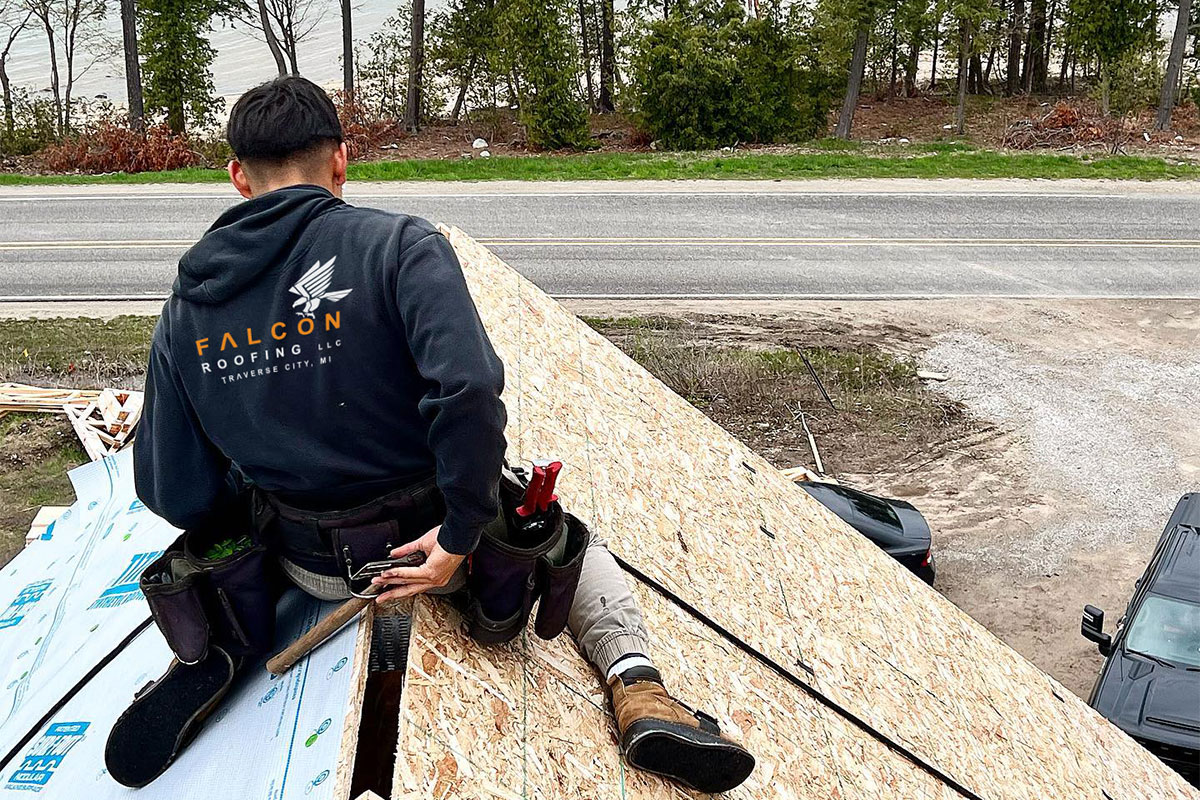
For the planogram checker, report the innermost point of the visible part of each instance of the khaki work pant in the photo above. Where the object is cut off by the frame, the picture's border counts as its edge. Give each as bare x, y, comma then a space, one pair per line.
605, 619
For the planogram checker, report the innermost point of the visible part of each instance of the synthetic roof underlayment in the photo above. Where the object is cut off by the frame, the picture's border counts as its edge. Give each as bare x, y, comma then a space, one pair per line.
846, 676
76, 642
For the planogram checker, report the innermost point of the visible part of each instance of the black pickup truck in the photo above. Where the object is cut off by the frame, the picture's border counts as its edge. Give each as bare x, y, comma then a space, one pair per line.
1150, 683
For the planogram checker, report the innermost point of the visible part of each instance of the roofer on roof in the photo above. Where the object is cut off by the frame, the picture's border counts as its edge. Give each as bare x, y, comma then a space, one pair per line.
323, 366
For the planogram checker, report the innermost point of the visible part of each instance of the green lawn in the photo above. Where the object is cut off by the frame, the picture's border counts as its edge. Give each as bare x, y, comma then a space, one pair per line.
830, 160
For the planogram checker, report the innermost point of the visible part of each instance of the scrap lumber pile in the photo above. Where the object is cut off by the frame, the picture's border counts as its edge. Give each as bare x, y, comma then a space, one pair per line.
105, 424
19, 397
104, 420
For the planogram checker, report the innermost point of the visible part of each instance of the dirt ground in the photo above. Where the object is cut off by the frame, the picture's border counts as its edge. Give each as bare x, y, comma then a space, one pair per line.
1079, 435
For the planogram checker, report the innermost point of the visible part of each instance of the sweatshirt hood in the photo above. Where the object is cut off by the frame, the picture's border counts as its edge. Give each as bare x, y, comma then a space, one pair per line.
248, 240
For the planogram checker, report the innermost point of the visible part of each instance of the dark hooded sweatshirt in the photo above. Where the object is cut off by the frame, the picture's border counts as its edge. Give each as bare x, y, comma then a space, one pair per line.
328, 354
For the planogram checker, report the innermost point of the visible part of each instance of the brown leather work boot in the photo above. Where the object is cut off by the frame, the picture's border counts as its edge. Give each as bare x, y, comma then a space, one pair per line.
659, 734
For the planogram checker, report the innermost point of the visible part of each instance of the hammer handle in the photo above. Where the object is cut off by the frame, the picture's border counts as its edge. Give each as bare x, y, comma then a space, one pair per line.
316, 635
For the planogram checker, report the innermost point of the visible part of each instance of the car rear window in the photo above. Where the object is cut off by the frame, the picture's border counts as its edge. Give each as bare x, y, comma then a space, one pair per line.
868, 506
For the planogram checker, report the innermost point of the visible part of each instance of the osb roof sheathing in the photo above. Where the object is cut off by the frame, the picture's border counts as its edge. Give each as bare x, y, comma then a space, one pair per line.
704, 516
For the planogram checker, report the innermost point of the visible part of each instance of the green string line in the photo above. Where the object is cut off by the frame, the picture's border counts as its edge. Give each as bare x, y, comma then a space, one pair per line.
587, 452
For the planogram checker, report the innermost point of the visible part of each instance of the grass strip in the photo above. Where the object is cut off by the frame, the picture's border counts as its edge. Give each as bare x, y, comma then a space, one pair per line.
937, 160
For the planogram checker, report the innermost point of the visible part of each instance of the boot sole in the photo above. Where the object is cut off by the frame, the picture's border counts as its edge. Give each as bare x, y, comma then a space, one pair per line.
156, 728
695, 758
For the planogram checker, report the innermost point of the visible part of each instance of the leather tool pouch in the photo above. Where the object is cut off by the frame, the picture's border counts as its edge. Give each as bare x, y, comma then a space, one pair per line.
509, 572
558, 578
214, 586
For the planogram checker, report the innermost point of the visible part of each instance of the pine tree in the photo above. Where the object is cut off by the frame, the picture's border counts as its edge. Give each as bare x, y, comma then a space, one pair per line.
176, 70
542, 50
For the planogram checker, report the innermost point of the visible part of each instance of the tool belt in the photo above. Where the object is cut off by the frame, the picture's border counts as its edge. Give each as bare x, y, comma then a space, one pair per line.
340, 543
215, 586
201, 596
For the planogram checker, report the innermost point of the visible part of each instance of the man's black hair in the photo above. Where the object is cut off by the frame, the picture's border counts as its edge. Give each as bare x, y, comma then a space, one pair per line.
286, 117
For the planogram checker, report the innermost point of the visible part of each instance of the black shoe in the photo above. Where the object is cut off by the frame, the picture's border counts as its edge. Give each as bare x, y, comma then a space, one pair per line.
165, 716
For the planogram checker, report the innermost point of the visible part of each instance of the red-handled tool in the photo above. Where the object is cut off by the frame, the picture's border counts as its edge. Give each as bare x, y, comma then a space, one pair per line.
532, 492
539, 494
547, 496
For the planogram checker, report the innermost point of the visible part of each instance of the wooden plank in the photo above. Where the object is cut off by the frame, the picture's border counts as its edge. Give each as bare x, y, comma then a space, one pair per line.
713, 522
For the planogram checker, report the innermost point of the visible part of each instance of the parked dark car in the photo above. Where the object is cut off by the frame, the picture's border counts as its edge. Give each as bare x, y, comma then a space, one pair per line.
894, 525
1150, 683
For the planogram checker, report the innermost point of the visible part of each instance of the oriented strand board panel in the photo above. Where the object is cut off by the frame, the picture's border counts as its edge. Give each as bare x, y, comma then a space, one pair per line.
703, 515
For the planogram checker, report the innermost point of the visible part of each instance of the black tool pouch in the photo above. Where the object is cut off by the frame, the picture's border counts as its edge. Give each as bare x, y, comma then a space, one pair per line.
238, 593
171, 587
509, 571
226, 601
558, 578
503, 584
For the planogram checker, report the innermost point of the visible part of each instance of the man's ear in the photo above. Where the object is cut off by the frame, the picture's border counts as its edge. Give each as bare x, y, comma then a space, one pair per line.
341, 160
237, 176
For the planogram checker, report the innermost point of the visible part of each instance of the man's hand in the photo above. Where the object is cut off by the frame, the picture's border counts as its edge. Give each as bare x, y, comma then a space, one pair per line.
436, 572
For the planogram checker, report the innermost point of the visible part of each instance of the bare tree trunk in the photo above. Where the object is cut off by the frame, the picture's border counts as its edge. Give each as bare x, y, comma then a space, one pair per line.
287, 29
895, 59
461, 98
587, 54
858, 63
10, 125
1105, 92
347, 51
1166, 102
910, 68
291, 54
937, 40
133, 69
964, 47
55, 88
416, 62
1035, 49
1050, 44
1016, 37
272, 43
608, 67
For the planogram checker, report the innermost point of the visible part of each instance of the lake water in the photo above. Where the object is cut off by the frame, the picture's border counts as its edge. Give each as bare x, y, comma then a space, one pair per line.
242, 60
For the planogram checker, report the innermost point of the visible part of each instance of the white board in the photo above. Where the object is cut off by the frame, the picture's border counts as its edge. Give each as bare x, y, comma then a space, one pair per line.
272, 738
71, 597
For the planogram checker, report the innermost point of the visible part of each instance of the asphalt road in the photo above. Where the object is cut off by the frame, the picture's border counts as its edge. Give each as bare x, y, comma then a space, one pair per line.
827, 239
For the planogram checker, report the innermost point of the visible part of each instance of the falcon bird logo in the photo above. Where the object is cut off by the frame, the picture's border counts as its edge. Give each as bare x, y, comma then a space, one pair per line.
313, 288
